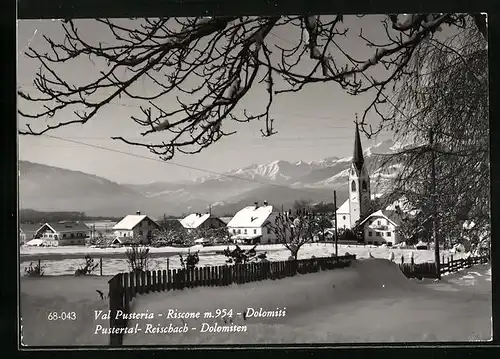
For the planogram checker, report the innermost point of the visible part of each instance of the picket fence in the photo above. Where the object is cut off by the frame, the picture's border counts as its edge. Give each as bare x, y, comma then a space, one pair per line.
428, 270
123, 287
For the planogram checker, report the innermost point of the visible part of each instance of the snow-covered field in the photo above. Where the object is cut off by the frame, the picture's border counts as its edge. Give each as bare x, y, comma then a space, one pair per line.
53, 261
369, 302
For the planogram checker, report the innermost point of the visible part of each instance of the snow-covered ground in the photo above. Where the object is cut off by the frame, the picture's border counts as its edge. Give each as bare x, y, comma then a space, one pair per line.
54, 262
369, 302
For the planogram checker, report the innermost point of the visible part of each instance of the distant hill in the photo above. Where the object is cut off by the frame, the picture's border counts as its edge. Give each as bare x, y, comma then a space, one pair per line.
47, 188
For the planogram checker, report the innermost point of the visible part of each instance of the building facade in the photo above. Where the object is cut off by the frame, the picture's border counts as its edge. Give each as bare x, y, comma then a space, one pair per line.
135, 228
381, 227
63, 233
253, 224
357, 205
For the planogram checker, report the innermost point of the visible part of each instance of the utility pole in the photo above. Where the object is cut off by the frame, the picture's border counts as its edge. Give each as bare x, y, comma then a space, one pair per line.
434, 205
335, 216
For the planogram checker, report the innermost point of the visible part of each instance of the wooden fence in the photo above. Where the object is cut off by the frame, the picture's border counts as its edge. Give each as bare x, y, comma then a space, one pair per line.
428, 270
123, 287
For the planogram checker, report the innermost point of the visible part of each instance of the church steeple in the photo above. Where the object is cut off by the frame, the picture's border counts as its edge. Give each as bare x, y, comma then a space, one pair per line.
357, 158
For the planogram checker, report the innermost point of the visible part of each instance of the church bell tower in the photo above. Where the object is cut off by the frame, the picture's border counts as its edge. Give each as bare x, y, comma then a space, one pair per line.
359, 183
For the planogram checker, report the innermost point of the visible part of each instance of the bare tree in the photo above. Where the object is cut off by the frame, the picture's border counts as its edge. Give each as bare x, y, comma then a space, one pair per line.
446, 91
293, 230
210, 64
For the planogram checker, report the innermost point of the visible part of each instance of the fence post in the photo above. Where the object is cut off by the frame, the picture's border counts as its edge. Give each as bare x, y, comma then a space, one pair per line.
148, 281
402, 259
100, 266
174, 279
168, 263
153, 285
115, 303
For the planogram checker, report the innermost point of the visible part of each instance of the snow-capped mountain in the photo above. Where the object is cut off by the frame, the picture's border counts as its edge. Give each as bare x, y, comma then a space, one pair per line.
299, 179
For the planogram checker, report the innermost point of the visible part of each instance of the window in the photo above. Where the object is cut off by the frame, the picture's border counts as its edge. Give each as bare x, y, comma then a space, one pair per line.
388, 234
268, 230
389, 244
245, 231
353, 186
239, 231
254, 231
376, 243
365, 186
234, 230
370, 234
379, 223
343, 217
378, 234
140, 233
72, 236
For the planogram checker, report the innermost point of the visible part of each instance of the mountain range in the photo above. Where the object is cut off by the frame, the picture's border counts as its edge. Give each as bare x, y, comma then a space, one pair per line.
280, 183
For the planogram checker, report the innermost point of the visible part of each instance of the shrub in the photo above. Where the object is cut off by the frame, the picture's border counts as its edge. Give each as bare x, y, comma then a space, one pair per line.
88, 267
191, 261
137, 258
34, 271
240, 256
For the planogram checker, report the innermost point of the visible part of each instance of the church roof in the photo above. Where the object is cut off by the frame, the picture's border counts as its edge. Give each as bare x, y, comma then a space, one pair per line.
344, 208
357, 158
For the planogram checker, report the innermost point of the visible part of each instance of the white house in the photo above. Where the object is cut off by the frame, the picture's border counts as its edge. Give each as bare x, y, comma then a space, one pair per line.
63, 233
252, 224
135, 227
381, 227
202, 221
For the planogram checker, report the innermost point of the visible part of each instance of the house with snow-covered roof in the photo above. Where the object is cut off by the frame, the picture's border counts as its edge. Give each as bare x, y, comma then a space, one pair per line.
381, 227
202, 221
137, 228
63, 233
253, 224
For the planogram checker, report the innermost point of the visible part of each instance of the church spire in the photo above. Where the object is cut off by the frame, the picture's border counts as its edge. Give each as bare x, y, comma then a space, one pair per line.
357, 158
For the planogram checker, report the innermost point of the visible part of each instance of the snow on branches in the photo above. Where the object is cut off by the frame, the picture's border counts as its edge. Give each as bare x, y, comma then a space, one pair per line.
207, 65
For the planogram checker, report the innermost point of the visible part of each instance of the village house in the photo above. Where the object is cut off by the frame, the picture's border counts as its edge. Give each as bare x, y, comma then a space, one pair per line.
137, 228
253, 224
63, 233
202, 221
381, 227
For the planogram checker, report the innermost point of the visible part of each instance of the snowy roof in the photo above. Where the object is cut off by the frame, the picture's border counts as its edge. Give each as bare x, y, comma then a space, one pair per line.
35, 242
129, 222
390, 215
65, 226
246, 236
344, 208
251, 216
194, 220
226, 220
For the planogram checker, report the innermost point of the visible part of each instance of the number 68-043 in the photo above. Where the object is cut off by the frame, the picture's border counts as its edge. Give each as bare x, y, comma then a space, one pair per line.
52, 316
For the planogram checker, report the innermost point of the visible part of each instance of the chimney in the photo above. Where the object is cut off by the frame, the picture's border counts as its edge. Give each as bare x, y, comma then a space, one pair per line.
138, 213
265, 203
256, 205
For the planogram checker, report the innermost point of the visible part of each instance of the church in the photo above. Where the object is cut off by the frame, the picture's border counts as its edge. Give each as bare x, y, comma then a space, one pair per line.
358, 204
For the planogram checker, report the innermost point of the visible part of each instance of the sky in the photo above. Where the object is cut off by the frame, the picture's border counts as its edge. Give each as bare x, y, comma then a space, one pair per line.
313, 124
